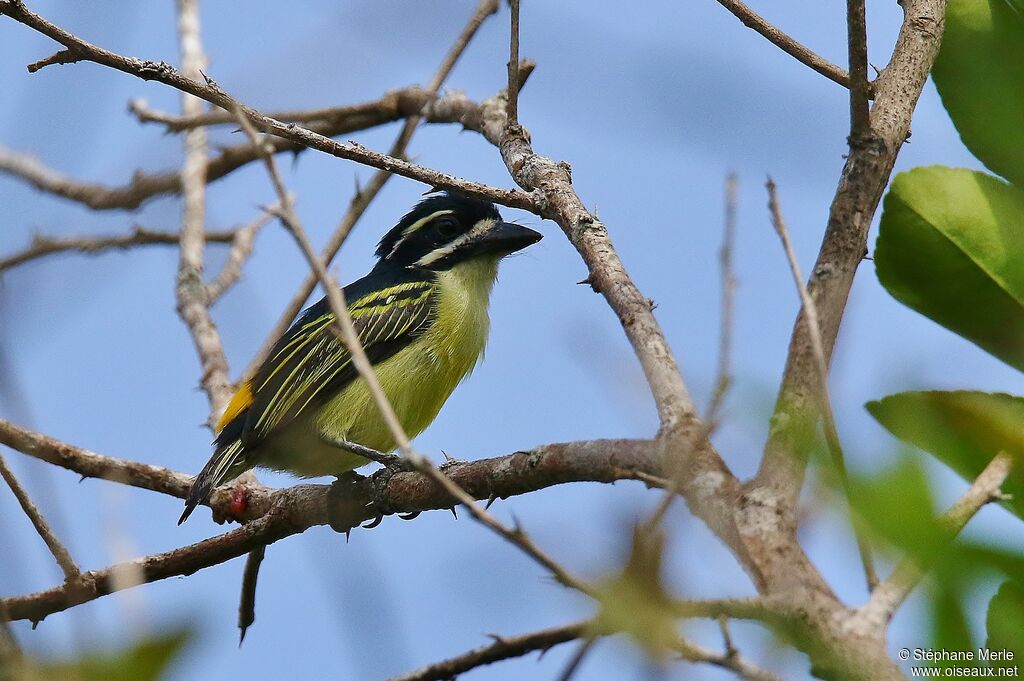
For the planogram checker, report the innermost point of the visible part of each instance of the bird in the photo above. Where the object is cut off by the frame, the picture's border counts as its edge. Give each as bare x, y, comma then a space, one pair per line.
421, 314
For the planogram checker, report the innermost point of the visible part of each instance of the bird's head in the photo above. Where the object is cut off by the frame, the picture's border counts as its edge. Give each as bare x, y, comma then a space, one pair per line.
450, 229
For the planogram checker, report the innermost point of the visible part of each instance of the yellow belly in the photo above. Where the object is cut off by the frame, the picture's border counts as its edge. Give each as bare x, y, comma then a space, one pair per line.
417, 381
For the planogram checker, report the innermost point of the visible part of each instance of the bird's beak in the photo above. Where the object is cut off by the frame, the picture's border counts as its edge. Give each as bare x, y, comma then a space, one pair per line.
504, 238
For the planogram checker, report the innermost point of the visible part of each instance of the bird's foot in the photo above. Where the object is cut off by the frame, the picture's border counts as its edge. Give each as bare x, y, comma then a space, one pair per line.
340, 506
392, 462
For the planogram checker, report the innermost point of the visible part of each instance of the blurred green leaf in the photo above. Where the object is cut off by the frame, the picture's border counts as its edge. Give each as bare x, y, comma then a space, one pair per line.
963, 429
635, 601
950, 629
1005, 622
980, 76
900, 491
147, 660
951, 246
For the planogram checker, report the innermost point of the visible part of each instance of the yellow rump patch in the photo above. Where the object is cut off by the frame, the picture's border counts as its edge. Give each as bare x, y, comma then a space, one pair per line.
239, 403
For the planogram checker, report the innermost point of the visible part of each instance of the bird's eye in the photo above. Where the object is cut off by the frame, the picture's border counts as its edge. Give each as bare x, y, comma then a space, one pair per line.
446, 227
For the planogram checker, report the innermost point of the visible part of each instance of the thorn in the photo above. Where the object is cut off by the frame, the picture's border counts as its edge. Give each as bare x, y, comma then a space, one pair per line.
454, 513
348, 535
374, 523
241, 635
490, 500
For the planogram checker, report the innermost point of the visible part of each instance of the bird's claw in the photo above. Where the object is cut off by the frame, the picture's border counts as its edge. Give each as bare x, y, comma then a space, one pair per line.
409, 516
373, 523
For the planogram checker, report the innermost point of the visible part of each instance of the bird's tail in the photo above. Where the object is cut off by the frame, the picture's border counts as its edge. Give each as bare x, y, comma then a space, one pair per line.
226, 463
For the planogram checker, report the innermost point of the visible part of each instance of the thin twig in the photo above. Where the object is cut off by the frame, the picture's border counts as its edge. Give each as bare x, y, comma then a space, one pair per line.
731, 660
835, 446
752, 19
43, 246
891, 593
728, 277
577, 658
241, 251
502, 648
365, 195
512, 110
857, 44
247, 601
60, 553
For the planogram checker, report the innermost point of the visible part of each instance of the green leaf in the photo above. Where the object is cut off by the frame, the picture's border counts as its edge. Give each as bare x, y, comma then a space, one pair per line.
980, 76
963, 429
900, 491
147, 660
951, 246
636, 602
1005, 622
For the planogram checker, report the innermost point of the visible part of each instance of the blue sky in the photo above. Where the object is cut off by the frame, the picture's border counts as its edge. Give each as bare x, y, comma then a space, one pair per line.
653, 105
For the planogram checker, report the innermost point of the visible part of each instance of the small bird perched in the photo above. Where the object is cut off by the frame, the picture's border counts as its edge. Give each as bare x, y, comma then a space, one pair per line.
421, 315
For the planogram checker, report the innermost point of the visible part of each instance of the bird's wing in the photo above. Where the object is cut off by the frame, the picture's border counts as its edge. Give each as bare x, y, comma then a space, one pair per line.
308, 365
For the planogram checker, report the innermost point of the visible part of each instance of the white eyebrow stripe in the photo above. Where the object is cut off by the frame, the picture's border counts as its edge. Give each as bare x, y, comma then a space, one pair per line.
479, 228
415, 226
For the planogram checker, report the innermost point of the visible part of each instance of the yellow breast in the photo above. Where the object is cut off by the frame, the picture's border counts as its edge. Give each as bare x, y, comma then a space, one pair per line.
417, 380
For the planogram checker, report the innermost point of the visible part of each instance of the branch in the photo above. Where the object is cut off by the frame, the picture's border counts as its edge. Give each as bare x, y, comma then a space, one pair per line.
60, 553
42, 246
864, 177
512, 108
164, 73
241, 250
752, 19
731, 660
275, 514
857, 49
503, 648
835, 447
891, 593
727, 314
89, 464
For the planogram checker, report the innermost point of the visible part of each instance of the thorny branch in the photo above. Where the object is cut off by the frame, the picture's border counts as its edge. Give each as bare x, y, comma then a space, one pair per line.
275, 514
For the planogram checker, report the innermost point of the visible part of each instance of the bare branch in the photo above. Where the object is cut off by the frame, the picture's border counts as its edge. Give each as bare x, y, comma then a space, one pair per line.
60, 553
835, 447
364, 196
140, 236
725, 258
275, 514
503, 648
891, 593
241, 251
731, 660
512, 108
164, 73
247, 602
191, 292
752, 19
857, 42
89, 464
860, 188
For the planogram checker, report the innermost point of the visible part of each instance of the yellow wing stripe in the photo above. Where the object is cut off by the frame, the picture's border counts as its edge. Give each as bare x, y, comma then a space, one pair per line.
239, 403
